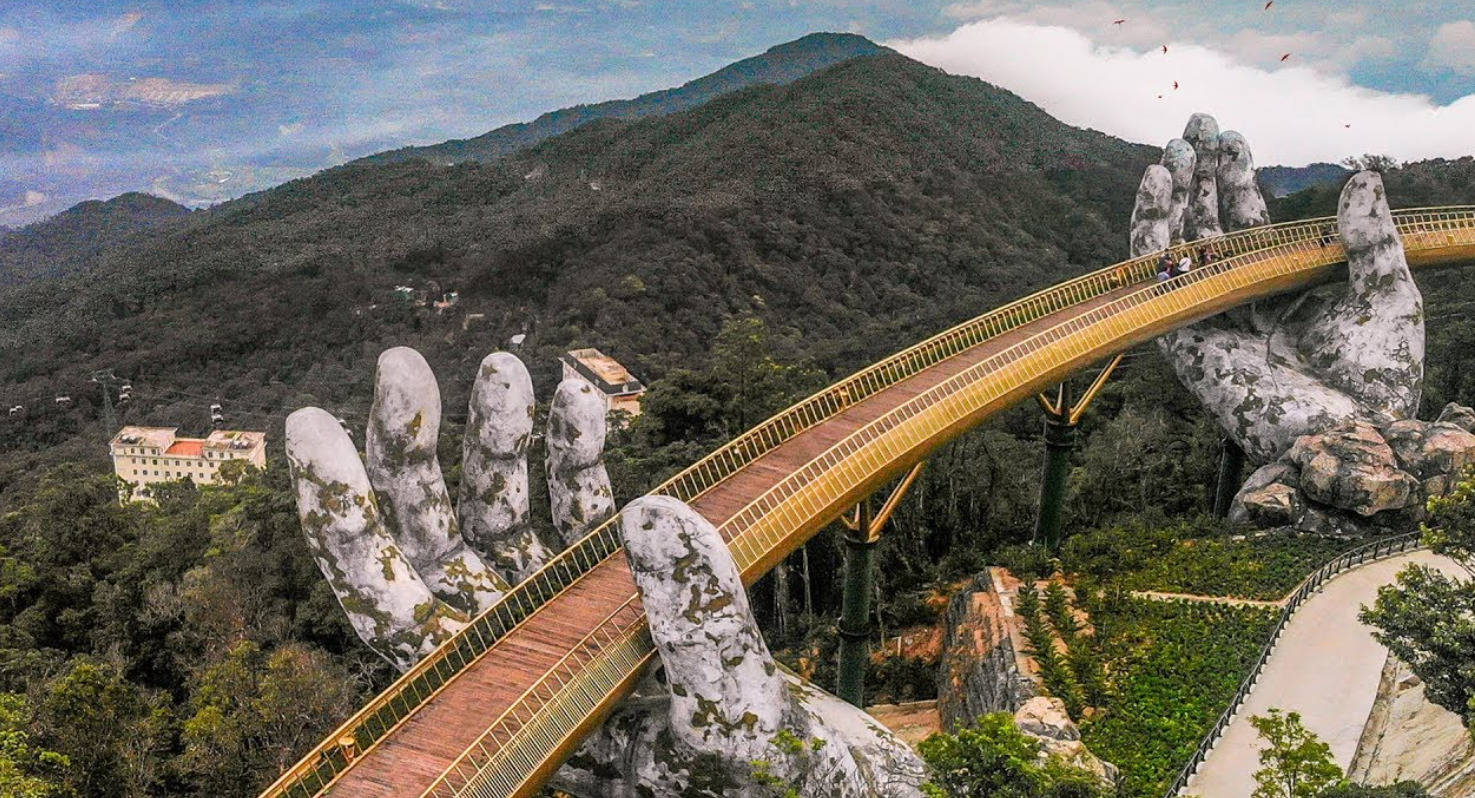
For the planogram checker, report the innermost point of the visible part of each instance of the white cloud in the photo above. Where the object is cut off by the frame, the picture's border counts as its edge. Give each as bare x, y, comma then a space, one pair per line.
1291, 114
1452, 48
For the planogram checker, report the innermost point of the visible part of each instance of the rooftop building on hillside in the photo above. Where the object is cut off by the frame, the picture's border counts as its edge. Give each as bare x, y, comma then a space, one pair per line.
620, 389
145, 456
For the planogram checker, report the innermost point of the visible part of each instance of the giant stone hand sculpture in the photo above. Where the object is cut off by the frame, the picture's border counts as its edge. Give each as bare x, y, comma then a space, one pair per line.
409, 572
1307, 380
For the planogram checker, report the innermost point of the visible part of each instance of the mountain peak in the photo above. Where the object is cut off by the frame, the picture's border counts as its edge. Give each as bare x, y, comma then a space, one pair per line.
779, 65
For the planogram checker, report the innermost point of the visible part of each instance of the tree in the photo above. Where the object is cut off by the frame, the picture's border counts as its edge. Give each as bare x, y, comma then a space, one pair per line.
27, 771
112, 731
1402, 789
994, 759
1369, 161
1295, 763
1424, 617
255, 712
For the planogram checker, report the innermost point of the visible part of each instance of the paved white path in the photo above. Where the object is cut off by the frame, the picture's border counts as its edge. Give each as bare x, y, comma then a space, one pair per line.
1326, 667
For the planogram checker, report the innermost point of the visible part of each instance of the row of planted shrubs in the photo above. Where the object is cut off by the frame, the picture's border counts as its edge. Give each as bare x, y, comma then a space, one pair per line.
1149, 680
1203, 557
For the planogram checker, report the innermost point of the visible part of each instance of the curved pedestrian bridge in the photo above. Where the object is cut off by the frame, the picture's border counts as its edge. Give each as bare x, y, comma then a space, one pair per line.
495, 710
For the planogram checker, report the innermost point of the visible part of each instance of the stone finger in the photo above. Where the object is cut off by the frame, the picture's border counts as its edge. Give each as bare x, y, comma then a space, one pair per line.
1179, 159
493, 505
404, 468
1201, 218
1239, 196
389, 606
578, 484
1370, 342
726, 693
1151, 215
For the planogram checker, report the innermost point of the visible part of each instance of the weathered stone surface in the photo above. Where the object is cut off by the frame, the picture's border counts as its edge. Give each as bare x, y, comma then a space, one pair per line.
1458, 415
1045, 719
1179, 159
1355, 479
1201, 217
1269, 499
578, 485
390, 607
1150, 216
980, 669
493, 506
1239, 197
1352, 468
1407, 737
1437, 450
728, 704
1369, 343
404, 468
1045, 716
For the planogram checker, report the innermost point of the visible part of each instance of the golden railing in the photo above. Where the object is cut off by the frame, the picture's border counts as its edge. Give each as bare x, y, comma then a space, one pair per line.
559, 704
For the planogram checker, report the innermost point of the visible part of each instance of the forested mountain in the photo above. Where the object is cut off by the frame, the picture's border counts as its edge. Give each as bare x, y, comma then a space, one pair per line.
69, 240
1279, 181
864, 206
781, 64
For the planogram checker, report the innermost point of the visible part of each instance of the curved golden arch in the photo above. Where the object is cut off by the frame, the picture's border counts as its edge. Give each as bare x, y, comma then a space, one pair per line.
522, 747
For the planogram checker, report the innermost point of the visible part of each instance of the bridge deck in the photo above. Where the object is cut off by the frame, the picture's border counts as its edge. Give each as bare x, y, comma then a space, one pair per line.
428, 742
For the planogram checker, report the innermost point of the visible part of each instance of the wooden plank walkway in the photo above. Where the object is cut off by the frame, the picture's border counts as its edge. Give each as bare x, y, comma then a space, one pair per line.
425, 745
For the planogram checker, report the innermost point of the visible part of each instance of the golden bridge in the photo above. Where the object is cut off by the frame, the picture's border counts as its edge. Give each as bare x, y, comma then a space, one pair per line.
495, 710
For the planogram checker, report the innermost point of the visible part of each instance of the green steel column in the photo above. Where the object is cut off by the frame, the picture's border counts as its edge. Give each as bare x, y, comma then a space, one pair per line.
1060, 439
1231, 469
855, 613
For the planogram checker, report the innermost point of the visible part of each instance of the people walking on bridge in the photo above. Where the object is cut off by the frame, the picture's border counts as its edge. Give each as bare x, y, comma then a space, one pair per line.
1185, 265
1165, 267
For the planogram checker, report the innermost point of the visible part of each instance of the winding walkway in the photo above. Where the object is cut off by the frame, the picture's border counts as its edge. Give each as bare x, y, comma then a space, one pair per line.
1326, 667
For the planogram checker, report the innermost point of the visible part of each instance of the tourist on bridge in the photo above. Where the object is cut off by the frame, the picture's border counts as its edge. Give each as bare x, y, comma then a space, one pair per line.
1185, 265
1165, 267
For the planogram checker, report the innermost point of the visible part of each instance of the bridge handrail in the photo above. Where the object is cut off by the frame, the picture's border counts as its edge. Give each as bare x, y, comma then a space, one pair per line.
1370, 552
376, 720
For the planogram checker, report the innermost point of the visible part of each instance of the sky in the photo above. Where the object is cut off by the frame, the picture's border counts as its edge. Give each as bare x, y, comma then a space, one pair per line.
203, 100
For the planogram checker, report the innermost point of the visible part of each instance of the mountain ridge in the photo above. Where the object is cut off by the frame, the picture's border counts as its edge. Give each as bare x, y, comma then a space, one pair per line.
780, 64
65, 243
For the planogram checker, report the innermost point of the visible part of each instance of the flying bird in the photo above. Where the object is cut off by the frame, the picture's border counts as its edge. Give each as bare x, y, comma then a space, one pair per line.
1349, 124
1118, 22
1165, 49
1175, 85
1269, 4
1284, 57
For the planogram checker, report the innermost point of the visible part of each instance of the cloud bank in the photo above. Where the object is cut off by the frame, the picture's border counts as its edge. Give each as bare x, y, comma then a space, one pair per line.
1291, 114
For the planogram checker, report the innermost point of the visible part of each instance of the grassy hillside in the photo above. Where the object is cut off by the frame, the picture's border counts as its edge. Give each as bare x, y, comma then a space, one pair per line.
861, 207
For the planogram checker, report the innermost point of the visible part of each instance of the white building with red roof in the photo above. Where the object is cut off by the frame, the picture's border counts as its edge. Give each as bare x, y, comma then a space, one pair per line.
145, 456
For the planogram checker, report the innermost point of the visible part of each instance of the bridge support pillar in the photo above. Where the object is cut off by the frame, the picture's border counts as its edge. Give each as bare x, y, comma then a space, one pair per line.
855, 614
1061, 420
1060, 440
862, 535
1231, 470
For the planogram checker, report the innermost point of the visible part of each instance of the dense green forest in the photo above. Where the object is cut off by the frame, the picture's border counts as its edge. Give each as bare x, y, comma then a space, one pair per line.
736, 256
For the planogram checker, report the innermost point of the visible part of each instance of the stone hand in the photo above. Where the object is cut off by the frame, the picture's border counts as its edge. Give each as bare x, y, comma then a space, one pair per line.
1288, 366
407, 568
409, 572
